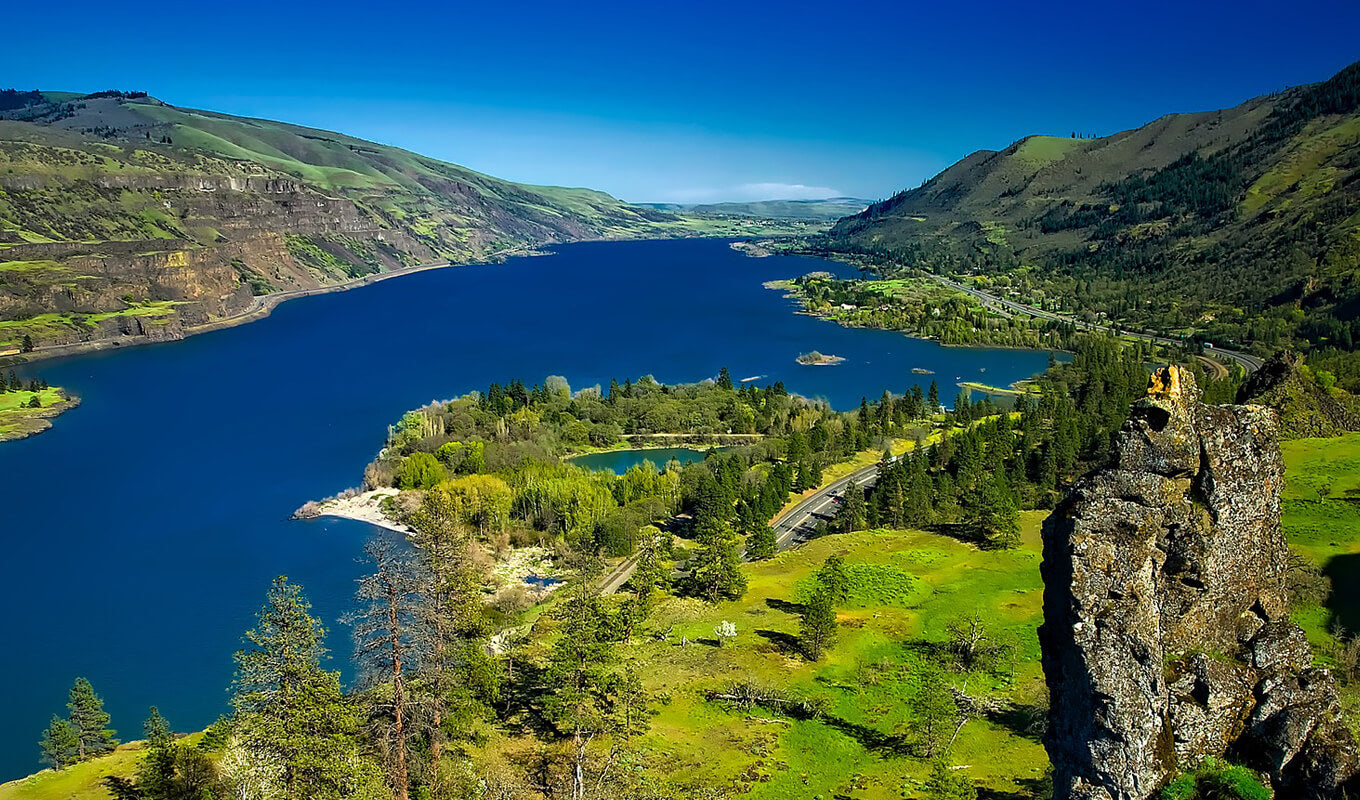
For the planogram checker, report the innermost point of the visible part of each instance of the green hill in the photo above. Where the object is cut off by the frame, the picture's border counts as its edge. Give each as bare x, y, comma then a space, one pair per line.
1240, 225
122, 215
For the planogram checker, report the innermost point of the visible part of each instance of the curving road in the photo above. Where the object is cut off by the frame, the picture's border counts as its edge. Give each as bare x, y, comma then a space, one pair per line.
791, 527
1248, 362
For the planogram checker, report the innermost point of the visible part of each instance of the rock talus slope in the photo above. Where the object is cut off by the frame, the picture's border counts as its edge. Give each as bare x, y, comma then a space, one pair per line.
1166, 635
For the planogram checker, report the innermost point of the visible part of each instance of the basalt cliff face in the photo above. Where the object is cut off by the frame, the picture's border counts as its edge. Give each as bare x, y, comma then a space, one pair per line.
1166, 635
124, 217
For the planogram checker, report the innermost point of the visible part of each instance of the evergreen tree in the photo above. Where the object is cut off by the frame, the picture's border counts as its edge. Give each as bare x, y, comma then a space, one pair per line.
90, 721
761, 544
817, 628
933, 398
724, 379
833, 578
295, 731
992, 515
156, 729
60, 743
27, 345
587, 698
716, 567
854, 512
936, 712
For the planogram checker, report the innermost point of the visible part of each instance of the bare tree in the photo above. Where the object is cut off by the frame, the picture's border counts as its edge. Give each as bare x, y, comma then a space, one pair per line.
390, 637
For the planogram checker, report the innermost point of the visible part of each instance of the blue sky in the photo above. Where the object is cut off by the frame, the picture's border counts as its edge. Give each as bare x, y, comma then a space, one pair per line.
692, 101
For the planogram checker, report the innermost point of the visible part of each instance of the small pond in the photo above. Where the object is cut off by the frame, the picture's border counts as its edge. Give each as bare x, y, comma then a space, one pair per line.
620, 461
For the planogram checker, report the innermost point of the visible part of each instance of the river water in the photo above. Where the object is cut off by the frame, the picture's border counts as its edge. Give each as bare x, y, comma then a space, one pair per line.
142, 531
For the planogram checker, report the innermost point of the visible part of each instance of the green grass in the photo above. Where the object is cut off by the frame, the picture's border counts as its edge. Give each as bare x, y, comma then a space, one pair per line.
910, 584
1303, 173
1041, 150
78, 782
13, 400
1321, 519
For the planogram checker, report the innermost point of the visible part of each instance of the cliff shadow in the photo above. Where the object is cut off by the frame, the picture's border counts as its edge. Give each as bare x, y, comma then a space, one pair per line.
1344, 602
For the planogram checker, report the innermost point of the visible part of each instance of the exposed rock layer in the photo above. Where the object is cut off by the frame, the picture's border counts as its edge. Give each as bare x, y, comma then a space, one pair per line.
1166, 635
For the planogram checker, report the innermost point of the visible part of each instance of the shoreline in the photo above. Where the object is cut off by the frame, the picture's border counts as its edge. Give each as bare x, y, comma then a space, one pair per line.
263, 305
33, 422
361, 507
260, 308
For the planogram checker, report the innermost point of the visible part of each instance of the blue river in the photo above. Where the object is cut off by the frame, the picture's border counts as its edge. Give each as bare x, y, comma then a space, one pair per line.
142, 531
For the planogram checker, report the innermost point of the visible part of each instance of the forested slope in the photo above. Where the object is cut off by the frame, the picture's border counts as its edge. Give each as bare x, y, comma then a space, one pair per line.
1240, 225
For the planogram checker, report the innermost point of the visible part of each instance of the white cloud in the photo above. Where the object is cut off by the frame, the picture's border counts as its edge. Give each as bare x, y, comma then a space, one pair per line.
748, 192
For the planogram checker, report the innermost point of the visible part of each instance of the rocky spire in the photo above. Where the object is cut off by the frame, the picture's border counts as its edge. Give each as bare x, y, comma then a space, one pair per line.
1166, 635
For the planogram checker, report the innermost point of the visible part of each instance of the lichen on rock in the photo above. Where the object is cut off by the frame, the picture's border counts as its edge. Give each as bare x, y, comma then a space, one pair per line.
1166, 636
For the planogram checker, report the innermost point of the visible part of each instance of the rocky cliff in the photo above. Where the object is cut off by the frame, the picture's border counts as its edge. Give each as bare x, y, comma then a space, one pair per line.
122, 216
1166, 636
1307, 408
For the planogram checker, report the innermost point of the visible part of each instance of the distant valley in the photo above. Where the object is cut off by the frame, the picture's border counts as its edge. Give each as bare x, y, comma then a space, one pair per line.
125, 218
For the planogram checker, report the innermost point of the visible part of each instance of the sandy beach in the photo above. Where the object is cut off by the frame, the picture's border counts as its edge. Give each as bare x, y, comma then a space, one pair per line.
363, 506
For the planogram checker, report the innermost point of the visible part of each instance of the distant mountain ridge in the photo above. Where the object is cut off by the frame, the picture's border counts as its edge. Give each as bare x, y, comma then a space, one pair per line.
826, 209
1242, 225
121, 215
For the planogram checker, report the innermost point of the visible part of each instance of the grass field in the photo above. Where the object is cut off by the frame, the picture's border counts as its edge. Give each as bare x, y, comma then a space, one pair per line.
1321, 518
16, 421
909, 585
79, 782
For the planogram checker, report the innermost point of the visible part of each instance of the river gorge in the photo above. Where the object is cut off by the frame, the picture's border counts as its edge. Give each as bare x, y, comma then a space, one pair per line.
145, 527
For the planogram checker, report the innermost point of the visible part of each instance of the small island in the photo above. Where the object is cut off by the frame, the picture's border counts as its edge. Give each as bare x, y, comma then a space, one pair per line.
27, 408
816, 359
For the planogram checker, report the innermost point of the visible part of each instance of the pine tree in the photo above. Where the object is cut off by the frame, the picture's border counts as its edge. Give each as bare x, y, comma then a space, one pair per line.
156, 729
992, 515
817, 628
833, 578
724, 379
90, 721
27, 345
945, 784
716, 567
60, 743
295, 731
854, 512
588, 698
761, 544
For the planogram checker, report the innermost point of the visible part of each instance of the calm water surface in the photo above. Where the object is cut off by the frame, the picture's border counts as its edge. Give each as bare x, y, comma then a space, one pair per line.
143, 530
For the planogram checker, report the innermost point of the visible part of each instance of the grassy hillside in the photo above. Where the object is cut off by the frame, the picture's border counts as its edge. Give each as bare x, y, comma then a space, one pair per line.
114, 205
909, 585
1240, 225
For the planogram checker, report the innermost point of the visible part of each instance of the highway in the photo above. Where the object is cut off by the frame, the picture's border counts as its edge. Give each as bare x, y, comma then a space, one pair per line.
1249, 363
791, 527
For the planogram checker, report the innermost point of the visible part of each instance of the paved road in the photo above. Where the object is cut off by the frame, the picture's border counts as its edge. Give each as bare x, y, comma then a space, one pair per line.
1249, 362
798, 524
792, 527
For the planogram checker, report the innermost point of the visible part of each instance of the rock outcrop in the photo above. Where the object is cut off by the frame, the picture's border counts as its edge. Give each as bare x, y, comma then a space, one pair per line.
1166, 635
1307, 409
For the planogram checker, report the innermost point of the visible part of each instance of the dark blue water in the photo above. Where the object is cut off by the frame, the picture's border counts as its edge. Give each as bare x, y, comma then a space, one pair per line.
620, 461
142, 531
